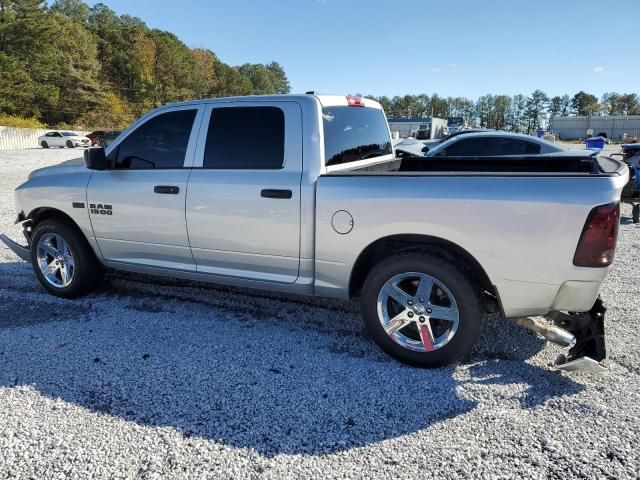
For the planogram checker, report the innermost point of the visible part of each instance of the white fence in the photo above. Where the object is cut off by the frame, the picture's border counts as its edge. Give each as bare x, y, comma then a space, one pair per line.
21, 138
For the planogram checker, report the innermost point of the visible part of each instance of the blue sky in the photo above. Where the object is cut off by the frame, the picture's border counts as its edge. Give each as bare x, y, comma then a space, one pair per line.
458, 48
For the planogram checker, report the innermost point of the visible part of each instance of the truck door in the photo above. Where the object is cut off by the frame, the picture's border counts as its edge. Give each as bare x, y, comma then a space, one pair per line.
137, 206
243, 198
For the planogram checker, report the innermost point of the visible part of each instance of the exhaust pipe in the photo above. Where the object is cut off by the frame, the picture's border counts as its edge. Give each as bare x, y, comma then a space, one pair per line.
552, 333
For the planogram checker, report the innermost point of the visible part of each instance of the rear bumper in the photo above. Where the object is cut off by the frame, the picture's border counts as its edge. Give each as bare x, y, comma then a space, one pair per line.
524, 299
21, 251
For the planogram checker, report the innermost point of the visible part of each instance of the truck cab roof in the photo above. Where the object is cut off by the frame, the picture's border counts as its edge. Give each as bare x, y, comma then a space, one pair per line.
325, 100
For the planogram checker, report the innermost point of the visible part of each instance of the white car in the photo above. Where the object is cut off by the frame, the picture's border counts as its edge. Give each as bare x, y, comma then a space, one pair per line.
63, 139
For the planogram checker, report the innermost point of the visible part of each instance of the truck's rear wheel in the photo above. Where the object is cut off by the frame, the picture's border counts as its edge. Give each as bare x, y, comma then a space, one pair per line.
421, 310
62, 260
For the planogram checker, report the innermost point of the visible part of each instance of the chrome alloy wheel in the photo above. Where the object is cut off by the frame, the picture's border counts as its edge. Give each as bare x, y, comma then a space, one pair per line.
418, 311
55, 260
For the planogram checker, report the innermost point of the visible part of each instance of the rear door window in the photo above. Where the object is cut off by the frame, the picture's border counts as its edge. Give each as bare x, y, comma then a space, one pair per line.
354, 133
510, 146
245, 138
470, 147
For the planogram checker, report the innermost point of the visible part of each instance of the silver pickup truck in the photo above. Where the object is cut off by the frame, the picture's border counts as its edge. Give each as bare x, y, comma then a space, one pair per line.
303, 194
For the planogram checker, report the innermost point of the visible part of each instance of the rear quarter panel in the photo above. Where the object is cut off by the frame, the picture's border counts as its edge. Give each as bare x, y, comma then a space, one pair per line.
523, 230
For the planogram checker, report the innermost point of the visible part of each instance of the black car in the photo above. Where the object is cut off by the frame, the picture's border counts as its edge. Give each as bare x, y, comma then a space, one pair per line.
462, 132
424, 131
107, 138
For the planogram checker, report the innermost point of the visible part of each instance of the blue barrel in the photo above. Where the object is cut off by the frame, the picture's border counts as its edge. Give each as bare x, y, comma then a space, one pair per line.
540, 133
595, 143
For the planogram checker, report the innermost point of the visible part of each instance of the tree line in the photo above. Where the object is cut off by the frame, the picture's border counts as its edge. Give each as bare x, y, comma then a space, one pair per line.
73, 64
517, 113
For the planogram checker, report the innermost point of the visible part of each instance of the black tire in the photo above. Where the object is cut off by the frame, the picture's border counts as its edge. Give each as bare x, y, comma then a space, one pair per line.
87, 271
635, 213
471, 313
44, 144
70, 144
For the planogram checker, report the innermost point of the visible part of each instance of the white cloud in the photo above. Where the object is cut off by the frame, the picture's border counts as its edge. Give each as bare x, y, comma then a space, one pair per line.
452, 65
436, 69
598, 69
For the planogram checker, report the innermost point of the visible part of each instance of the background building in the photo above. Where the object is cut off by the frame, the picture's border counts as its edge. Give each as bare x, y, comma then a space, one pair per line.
404, 125
571, 128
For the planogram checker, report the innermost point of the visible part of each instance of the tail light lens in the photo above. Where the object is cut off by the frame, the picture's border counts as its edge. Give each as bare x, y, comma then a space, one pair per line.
598, 240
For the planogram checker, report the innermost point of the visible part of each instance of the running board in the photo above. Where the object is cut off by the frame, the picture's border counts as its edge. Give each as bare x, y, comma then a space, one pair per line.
22, 251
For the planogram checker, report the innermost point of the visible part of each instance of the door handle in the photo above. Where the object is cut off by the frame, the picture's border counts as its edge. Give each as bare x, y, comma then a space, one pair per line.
272, 193
166, 189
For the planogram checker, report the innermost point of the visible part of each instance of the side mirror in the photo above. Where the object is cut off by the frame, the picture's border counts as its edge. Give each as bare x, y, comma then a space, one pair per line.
95, 159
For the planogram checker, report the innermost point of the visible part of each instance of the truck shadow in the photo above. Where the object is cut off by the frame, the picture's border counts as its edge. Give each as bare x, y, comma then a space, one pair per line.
183, 357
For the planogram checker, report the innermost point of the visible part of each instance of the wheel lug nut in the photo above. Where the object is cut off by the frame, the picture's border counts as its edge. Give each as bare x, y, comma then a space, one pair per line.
429, 310
422, 319
422, 300
410, 314
409, 303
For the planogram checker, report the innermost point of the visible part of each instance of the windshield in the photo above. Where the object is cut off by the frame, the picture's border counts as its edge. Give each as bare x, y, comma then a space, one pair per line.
455, 121
69, 134
354, 133
423, 126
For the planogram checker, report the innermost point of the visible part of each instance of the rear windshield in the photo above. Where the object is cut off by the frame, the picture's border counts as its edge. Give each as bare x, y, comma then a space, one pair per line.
354, 133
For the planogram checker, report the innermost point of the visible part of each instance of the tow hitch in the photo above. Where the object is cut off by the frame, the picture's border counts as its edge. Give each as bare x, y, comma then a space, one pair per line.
582, 332
589, 352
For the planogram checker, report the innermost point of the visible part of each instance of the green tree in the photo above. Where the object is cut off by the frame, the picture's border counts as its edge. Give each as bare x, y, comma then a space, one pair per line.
535, 108
76, 10
385, 102
585, 104
206, 79
28, 55
279, 78
501, 106
260, 77
620, 104
515, 118
79, 63
174, 69
555, 106
439, 107
485, 110
231, 81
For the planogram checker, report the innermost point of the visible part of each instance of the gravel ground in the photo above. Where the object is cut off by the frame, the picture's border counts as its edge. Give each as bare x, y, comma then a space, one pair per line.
153, 378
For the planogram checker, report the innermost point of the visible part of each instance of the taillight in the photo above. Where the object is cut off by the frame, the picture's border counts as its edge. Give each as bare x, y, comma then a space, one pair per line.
598, 240
355, 101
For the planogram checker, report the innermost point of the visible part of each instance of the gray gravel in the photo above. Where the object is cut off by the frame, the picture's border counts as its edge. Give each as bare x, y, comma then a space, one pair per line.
153, 378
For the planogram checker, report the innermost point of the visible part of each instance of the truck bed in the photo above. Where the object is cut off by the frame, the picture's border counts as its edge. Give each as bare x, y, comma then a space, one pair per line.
520, 218
565, 163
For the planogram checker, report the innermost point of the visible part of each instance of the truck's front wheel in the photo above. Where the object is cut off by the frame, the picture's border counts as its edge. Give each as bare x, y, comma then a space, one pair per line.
62, 260
421, 310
